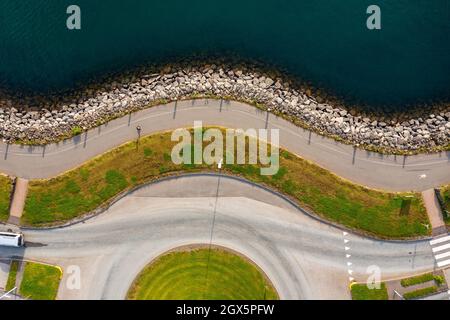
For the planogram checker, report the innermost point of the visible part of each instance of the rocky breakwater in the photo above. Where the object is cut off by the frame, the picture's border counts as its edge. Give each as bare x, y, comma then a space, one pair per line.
25, 120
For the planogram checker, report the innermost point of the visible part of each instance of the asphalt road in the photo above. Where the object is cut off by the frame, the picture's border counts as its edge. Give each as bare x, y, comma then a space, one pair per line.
303, 257
397, 173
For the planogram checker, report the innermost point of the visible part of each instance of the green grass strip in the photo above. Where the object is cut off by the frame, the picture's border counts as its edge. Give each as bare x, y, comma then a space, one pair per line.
421, 279
40, 282
419, 293
201, 275
362, 292
11, 283
5, 194
95, 183
445, 193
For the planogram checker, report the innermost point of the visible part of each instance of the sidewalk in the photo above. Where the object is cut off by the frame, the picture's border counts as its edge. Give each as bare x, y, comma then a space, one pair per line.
18, 201
4, 272
434, 212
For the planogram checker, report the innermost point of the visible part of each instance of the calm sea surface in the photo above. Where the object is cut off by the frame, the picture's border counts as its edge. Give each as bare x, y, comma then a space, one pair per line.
322, 41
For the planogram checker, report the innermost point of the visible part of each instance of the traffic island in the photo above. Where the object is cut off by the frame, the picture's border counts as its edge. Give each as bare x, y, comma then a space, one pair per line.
360, 291
35, 281
417, 287
201, 273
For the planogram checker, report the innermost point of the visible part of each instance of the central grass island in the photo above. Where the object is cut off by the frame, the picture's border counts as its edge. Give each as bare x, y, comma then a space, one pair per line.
202, 274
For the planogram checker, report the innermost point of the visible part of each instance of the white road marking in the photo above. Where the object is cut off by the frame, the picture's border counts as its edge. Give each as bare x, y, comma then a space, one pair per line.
439, 240
440, 248
442, 255
349, 264
443, 263
442, 245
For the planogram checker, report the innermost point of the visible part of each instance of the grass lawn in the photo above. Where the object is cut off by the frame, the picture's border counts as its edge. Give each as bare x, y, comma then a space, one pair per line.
184, 275
362, 292
40, 282
5, 192
10, 284
95, 183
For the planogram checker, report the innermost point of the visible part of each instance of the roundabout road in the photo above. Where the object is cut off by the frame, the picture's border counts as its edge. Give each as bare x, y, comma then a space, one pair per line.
397, 173
303, 257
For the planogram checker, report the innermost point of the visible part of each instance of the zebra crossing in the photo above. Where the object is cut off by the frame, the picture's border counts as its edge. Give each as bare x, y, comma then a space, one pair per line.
441, 250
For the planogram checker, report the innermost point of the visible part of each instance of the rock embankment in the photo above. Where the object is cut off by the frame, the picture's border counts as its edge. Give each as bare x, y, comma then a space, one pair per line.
50, 121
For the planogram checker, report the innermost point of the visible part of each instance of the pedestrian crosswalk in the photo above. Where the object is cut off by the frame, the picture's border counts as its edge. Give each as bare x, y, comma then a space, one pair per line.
441, 250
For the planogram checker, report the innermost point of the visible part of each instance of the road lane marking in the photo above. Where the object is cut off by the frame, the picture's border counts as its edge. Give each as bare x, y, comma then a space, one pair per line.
439, 240
347, 256
442, 245
443, 263
442, 255
440, 248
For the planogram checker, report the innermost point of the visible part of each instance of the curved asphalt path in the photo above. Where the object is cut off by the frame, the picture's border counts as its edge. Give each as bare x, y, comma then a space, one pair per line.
397, 173
303, 257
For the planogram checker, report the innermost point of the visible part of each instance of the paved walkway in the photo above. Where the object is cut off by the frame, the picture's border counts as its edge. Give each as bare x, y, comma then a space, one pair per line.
447, 279
397, 173
434, 212
18, 201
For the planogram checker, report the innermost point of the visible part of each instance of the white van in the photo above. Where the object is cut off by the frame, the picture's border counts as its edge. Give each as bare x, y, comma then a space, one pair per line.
11, 239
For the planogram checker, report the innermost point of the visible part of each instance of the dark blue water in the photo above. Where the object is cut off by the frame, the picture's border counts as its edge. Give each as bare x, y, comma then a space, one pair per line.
322, 41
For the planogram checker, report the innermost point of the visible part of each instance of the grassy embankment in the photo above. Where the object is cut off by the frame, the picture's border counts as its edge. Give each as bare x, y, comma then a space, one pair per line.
445, 193
40, 281
193, 275
5, 193
95, 183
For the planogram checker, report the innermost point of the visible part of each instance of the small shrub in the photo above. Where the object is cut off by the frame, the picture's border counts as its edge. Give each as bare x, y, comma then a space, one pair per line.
163, 169
439, 280
72, 187
167, 157
84, 173
148, 152
76, 130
